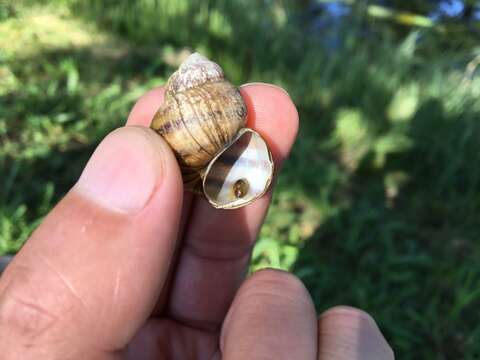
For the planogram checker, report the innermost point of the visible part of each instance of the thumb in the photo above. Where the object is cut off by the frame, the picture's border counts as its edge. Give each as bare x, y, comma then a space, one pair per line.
91, 273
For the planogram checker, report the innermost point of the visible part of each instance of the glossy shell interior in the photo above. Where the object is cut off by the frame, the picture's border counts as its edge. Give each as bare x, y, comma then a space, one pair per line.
240, 174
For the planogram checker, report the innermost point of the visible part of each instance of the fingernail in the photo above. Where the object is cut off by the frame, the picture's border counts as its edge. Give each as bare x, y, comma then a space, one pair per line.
123, 172
269, 85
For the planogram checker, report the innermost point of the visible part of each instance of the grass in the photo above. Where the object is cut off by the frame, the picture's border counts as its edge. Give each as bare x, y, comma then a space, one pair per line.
378, 205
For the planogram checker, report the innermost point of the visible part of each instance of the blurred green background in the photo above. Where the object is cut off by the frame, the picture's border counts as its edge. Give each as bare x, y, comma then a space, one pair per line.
379, 204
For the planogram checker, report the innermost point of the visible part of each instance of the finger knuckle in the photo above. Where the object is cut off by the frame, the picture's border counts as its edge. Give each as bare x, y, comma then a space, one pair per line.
28, 313
24, 318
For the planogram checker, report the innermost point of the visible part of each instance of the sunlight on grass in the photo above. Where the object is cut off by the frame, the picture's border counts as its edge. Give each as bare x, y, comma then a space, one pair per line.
38, 29
378, 204
353, 135
404, 104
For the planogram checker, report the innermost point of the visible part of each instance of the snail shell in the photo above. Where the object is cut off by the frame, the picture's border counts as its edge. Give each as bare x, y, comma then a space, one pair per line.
203, 119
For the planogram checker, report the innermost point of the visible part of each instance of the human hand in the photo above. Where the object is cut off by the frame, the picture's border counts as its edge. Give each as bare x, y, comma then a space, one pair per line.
127, 266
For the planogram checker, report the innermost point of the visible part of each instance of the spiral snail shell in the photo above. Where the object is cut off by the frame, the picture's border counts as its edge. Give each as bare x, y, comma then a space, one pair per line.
203, 119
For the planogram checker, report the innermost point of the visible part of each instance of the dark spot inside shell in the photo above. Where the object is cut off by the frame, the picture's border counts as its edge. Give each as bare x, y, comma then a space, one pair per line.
240, 188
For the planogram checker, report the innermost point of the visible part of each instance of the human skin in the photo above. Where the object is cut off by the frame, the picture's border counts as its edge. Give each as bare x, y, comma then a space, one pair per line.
128, 266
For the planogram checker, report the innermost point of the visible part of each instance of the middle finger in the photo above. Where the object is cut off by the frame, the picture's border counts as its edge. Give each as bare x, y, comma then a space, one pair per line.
216, 250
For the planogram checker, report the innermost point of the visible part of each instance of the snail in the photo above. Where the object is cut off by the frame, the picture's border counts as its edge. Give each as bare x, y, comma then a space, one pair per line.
203, 119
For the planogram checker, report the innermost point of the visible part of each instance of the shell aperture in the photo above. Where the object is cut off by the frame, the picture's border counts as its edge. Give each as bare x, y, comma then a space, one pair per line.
241, 173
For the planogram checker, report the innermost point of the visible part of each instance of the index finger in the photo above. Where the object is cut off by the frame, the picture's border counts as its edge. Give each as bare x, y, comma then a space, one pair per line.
217, 245
145, 108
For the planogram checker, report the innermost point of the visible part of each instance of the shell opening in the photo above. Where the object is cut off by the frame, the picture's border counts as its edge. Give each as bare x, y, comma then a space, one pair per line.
241, 173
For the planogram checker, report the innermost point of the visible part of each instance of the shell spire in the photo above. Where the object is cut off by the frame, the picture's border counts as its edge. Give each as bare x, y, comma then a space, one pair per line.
195, 71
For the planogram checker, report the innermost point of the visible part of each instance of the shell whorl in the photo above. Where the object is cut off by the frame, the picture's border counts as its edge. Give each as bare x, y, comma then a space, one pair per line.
193, 72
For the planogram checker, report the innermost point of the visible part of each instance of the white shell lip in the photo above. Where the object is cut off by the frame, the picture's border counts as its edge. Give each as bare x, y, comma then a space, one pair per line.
194, 71
260, 178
